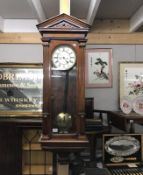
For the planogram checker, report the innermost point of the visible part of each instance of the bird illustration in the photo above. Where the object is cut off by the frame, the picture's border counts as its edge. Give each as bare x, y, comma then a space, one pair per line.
101, 74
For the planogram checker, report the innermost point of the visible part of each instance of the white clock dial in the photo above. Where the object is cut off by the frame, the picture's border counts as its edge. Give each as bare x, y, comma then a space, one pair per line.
63, 58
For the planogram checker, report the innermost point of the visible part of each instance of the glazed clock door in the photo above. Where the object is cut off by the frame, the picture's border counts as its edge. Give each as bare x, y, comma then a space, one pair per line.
63, 73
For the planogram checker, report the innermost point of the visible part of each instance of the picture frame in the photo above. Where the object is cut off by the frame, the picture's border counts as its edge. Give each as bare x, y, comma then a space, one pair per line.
98, 68
131, 83
21, 89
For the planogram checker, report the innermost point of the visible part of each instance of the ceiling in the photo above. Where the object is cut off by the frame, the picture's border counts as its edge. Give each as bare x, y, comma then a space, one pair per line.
89, 10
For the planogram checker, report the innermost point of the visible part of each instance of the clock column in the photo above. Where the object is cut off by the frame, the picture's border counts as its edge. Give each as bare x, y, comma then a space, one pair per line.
47, 118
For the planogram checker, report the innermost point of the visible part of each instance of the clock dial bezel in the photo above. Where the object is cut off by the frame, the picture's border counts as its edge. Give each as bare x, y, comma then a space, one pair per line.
63, 57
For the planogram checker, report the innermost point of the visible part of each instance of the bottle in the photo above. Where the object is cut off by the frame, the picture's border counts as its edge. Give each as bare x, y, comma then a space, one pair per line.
132, 127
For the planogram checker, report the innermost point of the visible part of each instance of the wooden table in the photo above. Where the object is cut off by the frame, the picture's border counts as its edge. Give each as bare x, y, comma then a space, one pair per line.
125, 121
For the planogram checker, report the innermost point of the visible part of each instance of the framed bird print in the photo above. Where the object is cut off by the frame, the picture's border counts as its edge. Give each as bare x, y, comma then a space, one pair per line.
98, 68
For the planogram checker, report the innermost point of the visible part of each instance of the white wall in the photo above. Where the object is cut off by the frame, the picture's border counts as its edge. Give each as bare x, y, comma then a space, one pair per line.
23, 53
104, 98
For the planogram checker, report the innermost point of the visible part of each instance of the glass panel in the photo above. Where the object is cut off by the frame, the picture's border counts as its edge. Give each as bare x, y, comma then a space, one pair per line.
64, 99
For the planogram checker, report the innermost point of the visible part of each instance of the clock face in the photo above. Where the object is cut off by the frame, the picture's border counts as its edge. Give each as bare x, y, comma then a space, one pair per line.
63, 58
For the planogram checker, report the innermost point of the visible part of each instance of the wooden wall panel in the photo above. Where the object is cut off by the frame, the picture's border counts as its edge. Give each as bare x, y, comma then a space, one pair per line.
102, 32
112, 38
93, 38
110, 26
20, 38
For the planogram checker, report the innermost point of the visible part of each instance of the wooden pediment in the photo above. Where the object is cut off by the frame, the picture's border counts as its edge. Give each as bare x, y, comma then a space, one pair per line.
62, 23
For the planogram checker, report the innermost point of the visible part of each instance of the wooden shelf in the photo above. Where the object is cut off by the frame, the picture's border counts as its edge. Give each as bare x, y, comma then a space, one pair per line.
33, 147
37, 169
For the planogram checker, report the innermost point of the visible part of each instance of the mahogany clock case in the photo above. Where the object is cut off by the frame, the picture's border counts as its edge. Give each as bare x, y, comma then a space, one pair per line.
64, 41
123, 153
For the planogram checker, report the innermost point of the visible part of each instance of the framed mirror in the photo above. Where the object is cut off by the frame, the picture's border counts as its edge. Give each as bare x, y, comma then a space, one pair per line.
21, 89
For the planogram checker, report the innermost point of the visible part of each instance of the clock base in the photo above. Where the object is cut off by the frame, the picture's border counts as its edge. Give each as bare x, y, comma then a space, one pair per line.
64, 142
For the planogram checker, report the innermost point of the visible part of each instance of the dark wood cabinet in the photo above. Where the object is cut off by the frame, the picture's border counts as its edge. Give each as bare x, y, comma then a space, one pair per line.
11, 130
10, 149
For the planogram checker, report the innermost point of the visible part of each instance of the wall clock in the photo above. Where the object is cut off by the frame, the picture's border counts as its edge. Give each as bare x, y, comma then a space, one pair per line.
64, 41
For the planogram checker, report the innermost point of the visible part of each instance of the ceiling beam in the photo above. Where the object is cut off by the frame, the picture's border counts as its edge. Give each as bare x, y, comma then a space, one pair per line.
37, 9
136, 21
93, 7
93, 38
1, 24
65, 7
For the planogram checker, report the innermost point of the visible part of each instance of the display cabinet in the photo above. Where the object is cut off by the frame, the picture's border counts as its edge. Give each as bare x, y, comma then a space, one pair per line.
19, 147
122, 153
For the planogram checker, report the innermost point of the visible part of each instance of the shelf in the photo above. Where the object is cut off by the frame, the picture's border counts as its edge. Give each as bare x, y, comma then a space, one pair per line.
33, 147
37, 169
